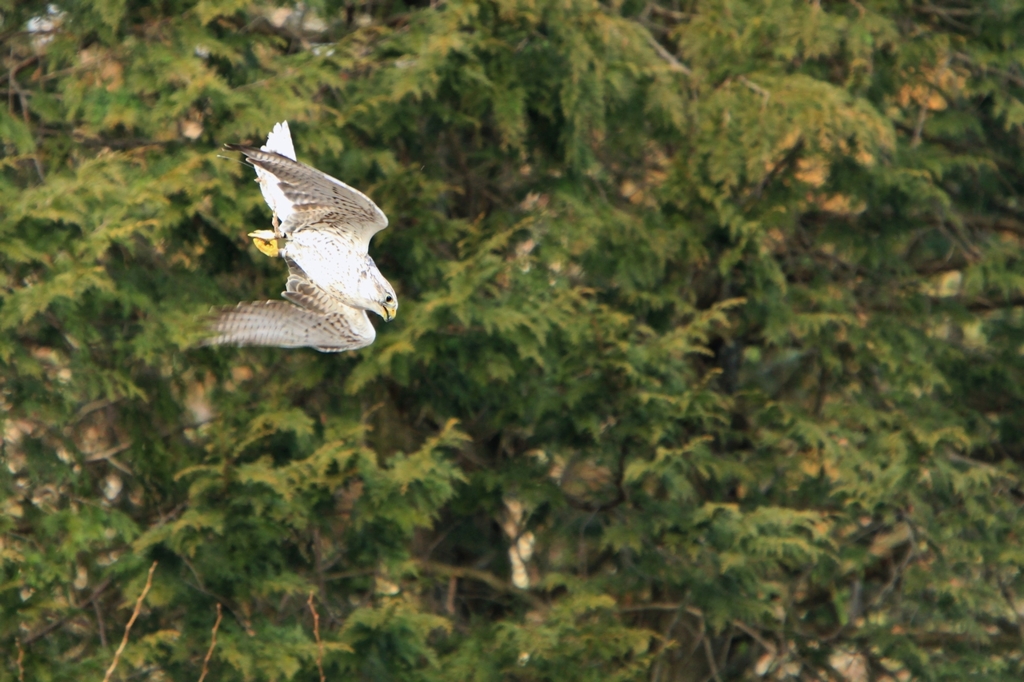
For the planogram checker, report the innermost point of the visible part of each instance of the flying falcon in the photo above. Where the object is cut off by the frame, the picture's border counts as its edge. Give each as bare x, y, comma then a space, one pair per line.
322, 229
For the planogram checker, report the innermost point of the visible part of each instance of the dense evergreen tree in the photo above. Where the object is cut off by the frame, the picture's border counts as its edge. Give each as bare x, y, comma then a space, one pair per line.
708, 364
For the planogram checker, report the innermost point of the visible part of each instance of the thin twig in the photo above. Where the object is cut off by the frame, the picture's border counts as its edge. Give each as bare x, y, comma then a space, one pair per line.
922, 115
13, 85
21, 659
984, 69
711, 658
10, 34
489, 579
318, 563
723, 657
57, 623
344, 575
108, 453
667, 639
985, 466
14, 70
706, 642
755, 635
90, 407
99, 622
244, 622
697, 613
755, 88
945, 15
698, 639
1011, 601
668, 13
788, 159
673, 63
453, 587
213, 643
951, 11
131, 622
651, 607
316, 633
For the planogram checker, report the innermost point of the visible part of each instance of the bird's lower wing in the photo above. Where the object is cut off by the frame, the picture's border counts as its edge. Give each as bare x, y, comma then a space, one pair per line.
283, 325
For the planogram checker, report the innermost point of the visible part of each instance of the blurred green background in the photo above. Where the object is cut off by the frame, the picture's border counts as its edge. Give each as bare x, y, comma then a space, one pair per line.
708, 364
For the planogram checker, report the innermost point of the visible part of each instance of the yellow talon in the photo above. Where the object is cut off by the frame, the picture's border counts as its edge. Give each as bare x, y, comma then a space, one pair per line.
267, 242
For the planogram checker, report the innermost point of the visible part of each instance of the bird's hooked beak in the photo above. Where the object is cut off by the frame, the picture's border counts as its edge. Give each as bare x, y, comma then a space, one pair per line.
388, 311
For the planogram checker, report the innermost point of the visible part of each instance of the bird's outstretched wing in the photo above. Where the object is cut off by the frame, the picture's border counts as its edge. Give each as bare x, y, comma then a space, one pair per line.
284, 325
305, 198
312, 319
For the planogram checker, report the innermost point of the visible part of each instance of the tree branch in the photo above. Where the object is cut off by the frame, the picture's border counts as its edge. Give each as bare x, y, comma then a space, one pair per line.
673, 62
57, 623
319, 642
213, 643
20, 661
131, 622
489, 579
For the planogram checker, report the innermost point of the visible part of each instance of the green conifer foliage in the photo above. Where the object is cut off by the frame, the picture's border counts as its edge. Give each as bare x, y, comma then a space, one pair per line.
709, 363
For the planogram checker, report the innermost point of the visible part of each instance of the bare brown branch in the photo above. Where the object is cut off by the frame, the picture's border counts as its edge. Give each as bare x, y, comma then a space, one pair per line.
17, 68
319, 642
984, 69
449, 602
131, 622
20, 661
669, 14
757, 90
489, 579
673, 62
57, 623
99, 623
213, 643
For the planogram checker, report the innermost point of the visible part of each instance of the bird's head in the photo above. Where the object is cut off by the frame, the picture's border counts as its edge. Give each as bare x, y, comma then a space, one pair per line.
389, 304
380, 295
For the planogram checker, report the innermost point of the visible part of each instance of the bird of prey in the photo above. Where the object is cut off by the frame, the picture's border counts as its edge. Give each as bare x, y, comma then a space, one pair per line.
322, 229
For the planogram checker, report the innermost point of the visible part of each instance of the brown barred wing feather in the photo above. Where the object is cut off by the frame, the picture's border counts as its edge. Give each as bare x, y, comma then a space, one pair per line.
284, 325
315, 200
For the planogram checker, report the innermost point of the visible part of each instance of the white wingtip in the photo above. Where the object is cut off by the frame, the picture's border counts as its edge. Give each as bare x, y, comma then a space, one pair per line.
280, 140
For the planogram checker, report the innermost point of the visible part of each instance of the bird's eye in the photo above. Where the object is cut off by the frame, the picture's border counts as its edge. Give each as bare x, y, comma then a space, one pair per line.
388, 299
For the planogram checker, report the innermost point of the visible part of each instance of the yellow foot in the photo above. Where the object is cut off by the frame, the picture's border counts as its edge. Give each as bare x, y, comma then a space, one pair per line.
267, 242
